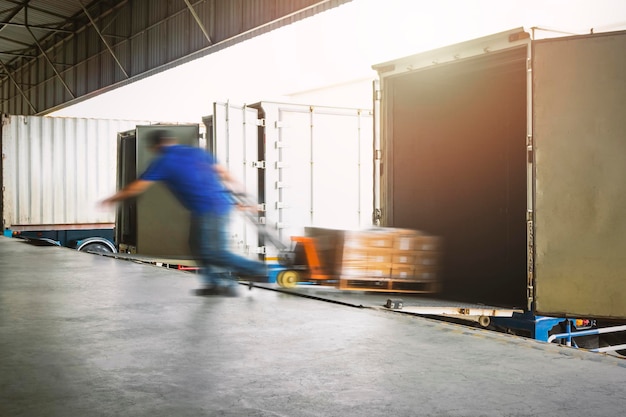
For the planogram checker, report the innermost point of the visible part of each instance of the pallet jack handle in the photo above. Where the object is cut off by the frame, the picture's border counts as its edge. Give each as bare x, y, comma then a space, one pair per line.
244, 201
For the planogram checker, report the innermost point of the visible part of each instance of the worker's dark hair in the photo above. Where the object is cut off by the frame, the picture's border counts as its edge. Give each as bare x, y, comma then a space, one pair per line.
158, 137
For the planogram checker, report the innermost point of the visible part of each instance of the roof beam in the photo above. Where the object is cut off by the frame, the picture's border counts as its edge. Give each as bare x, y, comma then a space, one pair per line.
95, 27
46, 28
32, 108
43, 53
198, 21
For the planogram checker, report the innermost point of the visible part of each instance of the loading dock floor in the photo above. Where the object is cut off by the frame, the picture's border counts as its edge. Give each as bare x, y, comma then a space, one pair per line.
85, 335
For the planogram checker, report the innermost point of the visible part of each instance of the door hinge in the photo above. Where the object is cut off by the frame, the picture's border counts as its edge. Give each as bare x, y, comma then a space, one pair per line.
377, 215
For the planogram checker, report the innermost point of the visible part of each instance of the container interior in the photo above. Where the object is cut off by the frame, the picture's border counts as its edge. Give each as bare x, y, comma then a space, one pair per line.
456, 167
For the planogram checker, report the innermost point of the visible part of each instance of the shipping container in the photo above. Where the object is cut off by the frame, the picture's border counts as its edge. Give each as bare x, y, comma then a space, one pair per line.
304, 165
513, 151
54, 172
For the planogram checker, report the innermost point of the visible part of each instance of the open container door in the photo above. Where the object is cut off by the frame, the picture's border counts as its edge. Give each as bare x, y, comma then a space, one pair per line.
162, 223
234, 141
318, 167
579, 136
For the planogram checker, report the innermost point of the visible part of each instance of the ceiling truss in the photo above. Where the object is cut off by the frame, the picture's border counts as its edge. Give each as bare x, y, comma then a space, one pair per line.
57, 52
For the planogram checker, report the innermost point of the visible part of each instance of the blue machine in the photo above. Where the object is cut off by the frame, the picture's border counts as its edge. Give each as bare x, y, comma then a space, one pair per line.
540, 327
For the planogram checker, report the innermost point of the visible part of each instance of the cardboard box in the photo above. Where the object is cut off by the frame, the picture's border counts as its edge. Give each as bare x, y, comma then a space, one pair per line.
380, 256
329, 245
376, 241
367, 256
404, 257
354, 271
388, 253
402, 271
379, 272
425, 276
405, 240
374, 238
354, 255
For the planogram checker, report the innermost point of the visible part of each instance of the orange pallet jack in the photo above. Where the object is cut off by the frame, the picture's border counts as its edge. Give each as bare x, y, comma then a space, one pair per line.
301, 260
305, 265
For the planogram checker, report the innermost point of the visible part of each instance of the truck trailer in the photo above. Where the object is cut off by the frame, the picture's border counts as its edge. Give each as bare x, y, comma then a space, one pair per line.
54, 170
513, 150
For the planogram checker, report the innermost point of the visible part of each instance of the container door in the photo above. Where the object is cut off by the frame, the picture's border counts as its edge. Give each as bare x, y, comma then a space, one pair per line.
579, 135
234, 141
162, 222
126, 220
318, 168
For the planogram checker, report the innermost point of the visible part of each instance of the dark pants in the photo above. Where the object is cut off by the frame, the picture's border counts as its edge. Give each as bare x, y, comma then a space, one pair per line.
208, 240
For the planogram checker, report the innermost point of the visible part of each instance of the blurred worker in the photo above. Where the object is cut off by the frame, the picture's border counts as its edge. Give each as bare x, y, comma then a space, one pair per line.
204, 188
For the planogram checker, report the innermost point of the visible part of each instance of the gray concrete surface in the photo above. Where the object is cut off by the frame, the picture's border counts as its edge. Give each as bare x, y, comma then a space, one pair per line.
85, 335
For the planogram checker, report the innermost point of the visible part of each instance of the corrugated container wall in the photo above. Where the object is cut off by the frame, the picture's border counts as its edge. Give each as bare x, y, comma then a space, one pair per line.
55, 170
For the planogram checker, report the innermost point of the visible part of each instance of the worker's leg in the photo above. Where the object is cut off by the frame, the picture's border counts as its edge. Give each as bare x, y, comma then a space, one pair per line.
216, 248
210, 275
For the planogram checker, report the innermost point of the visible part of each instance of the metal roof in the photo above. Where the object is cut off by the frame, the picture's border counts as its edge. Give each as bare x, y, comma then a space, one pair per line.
57, 52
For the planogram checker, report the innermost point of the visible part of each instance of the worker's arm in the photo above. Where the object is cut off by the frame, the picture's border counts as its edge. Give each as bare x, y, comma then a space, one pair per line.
235, 187
228, 179
131, 190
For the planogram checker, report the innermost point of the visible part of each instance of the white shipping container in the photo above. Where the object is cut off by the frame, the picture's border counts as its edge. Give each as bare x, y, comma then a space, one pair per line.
56, 169
312, 165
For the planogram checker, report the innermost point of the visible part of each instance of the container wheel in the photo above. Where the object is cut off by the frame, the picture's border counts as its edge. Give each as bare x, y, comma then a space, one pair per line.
288, 279
96, 247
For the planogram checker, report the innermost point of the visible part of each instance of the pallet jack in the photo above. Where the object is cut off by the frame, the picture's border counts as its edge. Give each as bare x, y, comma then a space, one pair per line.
300, 259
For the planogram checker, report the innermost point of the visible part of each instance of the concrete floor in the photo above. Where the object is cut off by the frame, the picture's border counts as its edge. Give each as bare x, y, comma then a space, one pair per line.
84, 335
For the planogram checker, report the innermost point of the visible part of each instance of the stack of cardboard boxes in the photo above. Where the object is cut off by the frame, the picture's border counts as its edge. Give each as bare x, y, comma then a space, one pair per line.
380, 259
391, 254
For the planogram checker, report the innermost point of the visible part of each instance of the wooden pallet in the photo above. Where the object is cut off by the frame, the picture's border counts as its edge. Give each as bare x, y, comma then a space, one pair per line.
388, 285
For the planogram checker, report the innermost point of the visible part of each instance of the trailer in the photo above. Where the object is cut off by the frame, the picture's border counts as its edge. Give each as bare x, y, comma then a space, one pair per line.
54, 170
512, 149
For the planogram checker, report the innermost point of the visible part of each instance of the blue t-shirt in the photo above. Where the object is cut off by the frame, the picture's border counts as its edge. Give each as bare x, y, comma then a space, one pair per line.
189, 174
